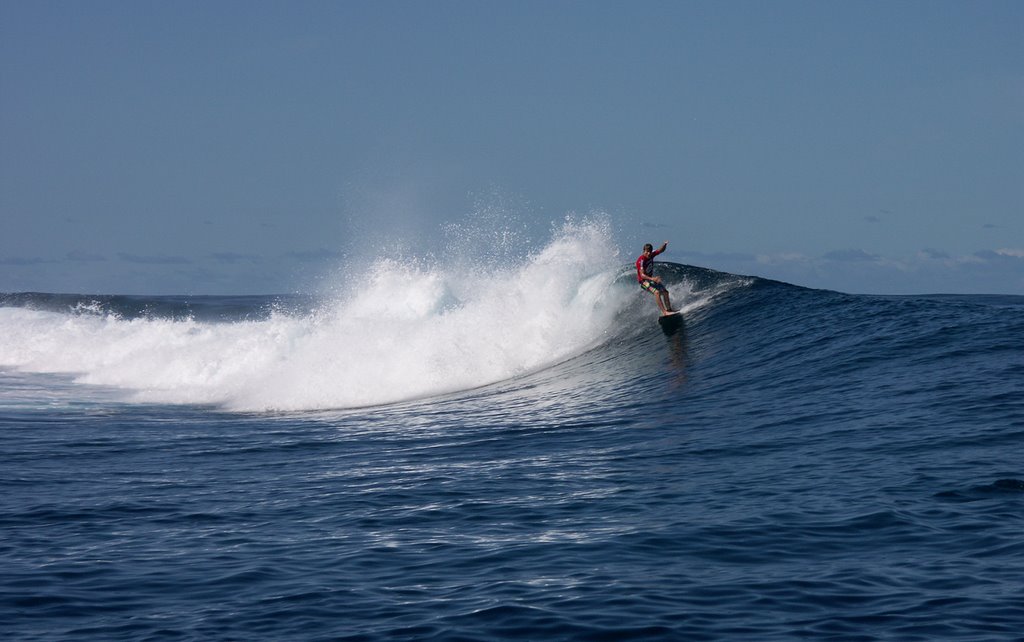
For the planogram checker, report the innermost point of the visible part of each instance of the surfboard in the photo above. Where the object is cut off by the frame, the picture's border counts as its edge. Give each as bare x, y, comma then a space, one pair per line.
671, 322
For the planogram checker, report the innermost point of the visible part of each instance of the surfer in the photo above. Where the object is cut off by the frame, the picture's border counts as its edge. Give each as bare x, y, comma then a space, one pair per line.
653, 283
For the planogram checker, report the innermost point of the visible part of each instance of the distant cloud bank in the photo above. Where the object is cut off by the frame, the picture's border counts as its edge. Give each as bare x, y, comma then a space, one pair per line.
854, 270
999, 271
153, 259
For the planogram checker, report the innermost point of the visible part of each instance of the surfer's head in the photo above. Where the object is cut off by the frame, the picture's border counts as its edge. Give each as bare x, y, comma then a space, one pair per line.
648, 248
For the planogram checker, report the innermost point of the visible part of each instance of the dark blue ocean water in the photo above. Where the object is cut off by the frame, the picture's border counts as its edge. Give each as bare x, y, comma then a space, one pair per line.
791, 464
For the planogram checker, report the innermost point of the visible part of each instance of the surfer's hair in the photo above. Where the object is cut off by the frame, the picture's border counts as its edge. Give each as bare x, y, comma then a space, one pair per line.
648, 247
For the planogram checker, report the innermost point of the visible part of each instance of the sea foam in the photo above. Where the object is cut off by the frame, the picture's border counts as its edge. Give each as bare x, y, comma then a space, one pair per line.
408, 329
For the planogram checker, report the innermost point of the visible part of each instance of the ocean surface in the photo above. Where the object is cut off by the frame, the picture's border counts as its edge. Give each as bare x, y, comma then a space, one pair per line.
527, 456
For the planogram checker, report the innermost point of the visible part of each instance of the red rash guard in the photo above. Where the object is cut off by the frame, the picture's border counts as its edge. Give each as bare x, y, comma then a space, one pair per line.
643, 264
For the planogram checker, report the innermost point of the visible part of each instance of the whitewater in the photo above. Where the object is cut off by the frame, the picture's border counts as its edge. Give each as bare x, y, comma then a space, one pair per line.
508, 446
409, 330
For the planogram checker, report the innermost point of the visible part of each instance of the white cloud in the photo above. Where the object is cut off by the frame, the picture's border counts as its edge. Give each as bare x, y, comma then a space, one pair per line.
780, 259
855, 256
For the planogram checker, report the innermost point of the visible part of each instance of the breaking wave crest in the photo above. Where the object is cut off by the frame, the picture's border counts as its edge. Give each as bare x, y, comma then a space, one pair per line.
412, 329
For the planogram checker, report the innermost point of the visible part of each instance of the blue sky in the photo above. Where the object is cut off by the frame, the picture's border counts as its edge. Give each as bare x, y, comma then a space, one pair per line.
253, 147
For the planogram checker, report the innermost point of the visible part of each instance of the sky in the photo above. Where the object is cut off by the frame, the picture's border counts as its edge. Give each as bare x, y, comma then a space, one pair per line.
258, 147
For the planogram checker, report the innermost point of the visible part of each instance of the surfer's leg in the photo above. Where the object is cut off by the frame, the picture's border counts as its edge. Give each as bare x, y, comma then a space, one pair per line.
661, 294
657, 290
666, 302
659, 297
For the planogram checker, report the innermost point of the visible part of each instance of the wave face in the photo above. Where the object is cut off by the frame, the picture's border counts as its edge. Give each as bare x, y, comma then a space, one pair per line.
513, 449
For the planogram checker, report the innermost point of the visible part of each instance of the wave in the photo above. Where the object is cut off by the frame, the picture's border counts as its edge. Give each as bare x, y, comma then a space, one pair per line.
566, 322
411, 330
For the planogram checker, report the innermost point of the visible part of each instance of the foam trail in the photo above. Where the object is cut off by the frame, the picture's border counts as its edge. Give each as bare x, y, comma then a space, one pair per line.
409, 331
